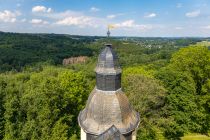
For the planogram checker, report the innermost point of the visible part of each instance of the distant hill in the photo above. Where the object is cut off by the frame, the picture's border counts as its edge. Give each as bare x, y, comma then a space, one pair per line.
18, 50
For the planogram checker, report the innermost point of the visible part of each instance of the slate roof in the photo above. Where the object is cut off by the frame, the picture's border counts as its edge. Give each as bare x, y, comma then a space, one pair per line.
111, 134
105, 109
108, 61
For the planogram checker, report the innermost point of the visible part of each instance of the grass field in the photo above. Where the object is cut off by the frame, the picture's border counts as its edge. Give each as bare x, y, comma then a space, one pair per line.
204, 43
195, 137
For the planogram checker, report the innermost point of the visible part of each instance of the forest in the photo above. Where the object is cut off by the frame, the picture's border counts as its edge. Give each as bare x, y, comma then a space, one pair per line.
166, 81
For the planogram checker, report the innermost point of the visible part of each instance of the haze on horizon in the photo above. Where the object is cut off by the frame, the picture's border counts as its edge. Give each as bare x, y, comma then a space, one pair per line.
146, 18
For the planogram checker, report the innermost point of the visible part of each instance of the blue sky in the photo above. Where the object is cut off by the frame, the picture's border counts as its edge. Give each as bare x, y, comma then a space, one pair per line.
165, 18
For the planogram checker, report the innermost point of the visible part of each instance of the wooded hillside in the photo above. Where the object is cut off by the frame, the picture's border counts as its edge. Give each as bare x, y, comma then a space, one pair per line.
166, 80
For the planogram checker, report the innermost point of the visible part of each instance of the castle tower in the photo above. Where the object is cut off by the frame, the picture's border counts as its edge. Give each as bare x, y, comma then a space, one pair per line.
108, 114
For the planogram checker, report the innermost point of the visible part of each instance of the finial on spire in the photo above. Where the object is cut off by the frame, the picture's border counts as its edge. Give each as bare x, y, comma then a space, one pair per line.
108, 33
109, 27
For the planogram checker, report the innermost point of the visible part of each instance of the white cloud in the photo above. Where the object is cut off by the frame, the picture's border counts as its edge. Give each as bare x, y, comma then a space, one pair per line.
23, 20
193, 14
73, 18
111, 16
132, 25
8, 16
94, 9
38, 21
80, 21
61, 15
207, 27
49, 10
43, 9
178, 28
179, 5
151, 15
127, 24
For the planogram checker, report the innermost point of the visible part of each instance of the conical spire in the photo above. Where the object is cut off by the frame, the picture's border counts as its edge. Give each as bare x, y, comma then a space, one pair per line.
107, 106
108, 71
108, 61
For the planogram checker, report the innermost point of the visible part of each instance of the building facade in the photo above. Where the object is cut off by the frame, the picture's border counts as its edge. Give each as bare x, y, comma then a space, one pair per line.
108, 114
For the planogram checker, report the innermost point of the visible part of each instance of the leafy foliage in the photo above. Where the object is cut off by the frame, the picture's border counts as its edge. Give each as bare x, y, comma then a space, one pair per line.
19, 50
147, 97
44, 105
170, 88
2, 109
196, 61
185, 79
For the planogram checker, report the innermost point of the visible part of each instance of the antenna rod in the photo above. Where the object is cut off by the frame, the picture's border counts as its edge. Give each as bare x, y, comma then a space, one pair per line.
108, 33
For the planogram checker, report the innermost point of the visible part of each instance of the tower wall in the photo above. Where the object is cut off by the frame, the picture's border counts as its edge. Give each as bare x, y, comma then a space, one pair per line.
108, 82
134, 135
83, 135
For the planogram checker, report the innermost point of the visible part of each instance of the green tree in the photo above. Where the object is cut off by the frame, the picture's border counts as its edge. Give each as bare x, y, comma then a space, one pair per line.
196, 61
60, 131
182, 112
180, 101
147, 97
2, 110
44, 105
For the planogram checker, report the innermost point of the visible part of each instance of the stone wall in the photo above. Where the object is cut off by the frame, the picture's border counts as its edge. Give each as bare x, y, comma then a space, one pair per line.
75, 60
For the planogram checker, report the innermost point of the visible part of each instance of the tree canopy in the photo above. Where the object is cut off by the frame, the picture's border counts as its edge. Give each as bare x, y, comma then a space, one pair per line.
165, 81
43, 105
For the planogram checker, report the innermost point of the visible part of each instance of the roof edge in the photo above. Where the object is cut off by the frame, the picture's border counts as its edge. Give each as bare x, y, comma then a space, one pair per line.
124, 133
